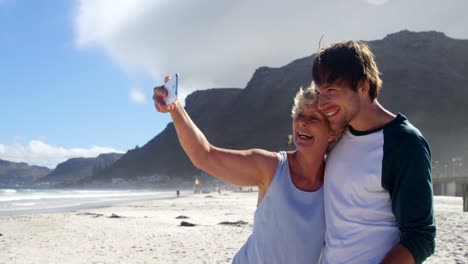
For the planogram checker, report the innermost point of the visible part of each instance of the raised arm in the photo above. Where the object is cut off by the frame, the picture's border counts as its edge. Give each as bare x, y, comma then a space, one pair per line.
240, 167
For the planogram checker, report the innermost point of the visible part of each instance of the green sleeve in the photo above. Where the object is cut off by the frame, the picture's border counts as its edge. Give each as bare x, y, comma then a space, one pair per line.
407, 177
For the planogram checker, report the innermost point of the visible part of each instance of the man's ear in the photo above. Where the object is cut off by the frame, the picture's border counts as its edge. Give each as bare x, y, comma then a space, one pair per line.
364, 86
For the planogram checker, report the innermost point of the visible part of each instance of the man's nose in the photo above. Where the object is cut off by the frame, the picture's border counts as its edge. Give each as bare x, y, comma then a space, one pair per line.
323, 102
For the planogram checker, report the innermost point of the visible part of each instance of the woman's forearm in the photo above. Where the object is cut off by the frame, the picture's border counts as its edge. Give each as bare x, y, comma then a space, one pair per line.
191, 138
240, 167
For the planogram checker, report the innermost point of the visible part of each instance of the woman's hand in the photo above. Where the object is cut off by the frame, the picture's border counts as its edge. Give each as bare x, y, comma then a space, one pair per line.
159, 95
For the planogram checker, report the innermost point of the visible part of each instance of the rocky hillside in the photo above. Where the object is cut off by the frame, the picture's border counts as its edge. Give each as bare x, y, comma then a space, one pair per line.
74, 170
14, 174
425, 77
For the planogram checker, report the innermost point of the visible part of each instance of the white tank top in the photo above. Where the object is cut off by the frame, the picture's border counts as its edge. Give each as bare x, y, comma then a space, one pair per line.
289, 224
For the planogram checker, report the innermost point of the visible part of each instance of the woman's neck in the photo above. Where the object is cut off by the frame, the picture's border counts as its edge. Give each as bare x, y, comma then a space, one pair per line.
307, 170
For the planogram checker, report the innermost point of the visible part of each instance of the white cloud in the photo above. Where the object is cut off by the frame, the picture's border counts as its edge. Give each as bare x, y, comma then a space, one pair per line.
103, 19
377, 2
137, 96
221, 43
37, 152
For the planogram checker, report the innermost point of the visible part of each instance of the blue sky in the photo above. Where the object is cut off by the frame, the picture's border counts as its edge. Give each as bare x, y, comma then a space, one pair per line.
76, 77
57, 93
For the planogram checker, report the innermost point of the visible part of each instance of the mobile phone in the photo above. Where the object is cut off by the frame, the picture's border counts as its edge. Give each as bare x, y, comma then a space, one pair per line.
172, 87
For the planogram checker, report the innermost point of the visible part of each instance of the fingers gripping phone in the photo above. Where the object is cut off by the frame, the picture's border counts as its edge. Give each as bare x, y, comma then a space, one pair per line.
172, 87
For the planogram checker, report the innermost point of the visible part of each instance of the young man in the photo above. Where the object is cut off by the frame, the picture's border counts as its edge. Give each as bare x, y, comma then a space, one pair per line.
378, 190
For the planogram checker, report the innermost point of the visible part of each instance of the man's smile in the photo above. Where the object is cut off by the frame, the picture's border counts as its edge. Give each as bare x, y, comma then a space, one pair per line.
331, 113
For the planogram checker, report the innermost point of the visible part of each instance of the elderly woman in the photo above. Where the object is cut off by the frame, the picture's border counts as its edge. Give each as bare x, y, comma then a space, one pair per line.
289, 222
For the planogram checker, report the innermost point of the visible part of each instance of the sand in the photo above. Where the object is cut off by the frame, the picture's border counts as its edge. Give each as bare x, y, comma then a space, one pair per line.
148, 232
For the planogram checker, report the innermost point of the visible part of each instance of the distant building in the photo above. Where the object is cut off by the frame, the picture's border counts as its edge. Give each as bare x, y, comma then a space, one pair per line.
449, 186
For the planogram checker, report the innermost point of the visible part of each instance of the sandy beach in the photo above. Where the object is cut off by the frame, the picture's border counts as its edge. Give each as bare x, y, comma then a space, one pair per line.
150, 232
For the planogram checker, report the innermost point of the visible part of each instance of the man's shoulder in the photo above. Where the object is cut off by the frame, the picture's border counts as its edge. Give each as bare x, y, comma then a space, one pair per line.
404, 137
403, 130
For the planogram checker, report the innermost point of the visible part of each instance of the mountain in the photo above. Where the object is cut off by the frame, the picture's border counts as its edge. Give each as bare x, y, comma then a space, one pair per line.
13, 174
425, 77
75, 170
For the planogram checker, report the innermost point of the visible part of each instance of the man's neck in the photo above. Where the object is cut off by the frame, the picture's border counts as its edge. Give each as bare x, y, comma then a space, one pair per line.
371, 116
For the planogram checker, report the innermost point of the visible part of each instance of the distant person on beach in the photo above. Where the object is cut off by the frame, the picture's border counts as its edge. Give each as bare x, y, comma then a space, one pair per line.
289, 223
378, 191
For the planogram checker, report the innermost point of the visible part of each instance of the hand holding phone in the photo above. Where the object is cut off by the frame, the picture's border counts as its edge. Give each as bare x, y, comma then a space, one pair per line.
172, 88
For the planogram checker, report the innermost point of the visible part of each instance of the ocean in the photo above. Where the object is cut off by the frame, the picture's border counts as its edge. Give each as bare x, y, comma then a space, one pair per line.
32, 201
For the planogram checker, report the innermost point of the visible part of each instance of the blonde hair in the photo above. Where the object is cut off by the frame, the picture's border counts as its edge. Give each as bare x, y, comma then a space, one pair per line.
304, 96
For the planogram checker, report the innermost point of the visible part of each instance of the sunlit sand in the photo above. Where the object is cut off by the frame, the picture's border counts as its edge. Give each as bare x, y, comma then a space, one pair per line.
150, 232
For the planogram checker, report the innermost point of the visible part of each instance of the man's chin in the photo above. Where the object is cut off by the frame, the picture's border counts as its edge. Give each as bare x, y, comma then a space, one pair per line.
338, 128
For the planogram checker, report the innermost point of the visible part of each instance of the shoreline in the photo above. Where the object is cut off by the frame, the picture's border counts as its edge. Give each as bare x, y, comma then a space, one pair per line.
74, 200
75, 208
150, 232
